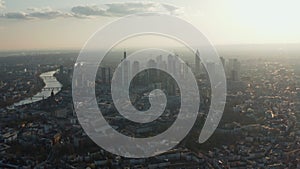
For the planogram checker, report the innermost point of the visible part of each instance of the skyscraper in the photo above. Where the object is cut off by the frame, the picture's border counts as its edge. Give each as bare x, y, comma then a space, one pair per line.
234, 67
134, 70
125, 55
211, 68
135, 67
171, 64
159, 61
109, 74
103, 75
152, 73
223, 61
197, 63
177, 66
125, 70
185, 69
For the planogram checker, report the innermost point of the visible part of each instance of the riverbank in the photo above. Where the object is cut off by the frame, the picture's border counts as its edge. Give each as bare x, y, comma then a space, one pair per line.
51, 85
30, 91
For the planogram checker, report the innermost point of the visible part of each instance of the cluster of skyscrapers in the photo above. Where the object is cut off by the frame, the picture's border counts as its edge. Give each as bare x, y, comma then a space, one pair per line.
232, 67
172, 64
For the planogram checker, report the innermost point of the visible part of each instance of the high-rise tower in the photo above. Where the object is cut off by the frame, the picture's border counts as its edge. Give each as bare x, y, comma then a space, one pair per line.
197, 63
125, 70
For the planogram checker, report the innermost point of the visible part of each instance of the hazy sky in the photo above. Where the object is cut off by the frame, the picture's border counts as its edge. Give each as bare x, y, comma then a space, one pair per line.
67, 24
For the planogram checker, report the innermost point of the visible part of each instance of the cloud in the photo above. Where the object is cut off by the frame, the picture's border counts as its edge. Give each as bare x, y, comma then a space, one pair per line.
36, 13
172, 9
88, 10
15, 15
46, 13
2, 4
108, 10
122, 9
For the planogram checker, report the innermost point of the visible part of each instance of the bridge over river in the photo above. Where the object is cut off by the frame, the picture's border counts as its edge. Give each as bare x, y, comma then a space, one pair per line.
51, 84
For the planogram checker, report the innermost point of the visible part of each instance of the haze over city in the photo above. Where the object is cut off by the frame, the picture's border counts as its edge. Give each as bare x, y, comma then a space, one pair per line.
75, 95
42, 24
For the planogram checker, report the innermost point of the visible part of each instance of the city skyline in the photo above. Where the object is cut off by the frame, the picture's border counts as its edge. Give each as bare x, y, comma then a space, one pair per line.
164, 84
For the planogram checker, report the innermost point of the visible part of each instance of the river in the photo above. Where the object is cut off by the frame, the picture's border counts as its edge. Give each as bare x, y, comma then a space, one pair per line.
51, 83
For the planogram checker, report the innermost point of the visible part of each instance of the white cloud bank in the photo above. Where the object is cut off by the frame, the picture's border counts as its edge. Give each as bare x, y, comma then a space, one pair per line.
109, 10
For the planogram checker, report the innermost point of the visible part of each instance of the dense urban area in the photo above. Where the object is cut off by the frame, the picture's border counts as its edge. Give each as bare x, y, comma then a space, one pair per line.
260, 127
